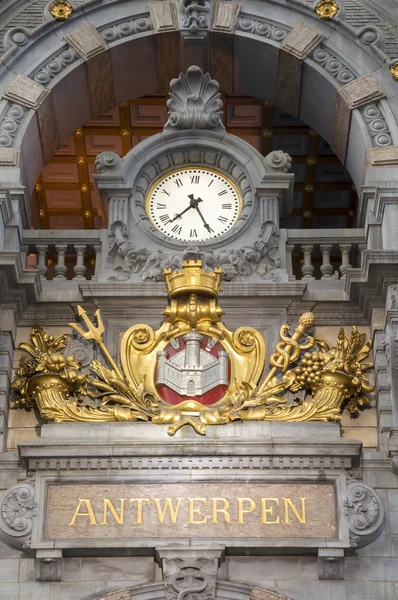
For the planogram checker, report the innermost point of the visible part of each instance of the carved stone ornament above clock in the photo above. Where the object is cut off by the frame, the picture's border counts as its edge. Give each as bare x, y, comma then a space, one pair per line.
194, 191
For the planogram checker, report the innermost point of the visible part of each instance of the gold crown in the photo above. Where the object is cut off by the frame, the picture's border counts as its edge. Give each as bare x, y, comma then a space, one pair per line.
193, 279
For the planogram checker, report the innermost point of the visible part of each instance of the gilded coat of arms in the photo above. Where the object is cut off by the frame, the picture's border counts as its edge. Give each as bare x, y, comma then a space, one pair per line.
193, 370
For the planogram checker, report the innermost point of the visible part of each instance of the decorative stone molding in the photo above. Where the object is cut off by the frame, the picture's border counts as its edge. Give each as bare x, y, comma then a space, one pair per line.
195, 102
261, 258
333, 66
297, 45
109, 164
195, 15
163, 16
26, 92
262, 28
10, 124
127, 28
17, 511
190, 571
17, 36
376, 125
261, 594
362, 91
9, 157
277, 162
225, 16
90, 45
302, 40
51, 69
86, 41
382, 157
365, 514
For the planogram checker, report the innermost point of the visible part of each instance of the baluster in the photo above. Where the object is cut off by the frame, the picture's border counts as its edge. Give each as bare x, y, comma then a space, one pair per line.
326, 267
98, 255
80, 268
60, 268
361, 253
307, 269
345, 259
41, 260
289, 261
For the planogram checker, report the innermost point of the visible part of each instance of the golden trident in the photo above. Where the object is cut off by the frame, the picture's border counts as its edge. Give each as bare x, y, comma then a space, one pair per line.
95, 333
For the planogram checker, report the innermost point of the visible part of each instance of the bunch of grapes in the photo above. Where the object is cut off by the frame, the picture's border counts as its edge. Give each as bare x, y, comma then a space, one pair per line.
309, 370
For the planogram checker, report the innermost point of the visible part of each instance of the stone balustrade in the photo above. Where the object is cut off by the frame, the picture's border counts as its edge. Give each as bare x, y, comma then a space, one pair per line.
62, 255
323, 253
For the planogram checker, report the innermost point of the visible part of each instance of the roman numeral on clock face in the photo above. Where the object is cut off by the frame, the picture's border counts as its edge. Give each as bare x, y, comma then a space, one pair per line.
222, 192
178, 183
177, 229
226, 206
193, 233
195, 178
165, 192
164, 218
222, 219
160, 206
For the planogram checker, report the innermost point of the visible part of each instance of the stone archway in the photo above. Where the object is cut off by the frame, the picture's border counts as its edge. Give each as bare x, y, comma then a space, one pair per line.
66, 73
225, 590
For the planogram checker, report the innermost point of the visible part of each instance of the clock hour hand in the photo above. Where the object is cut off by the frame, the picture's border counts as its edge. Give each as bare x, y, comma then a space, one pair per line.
206, 225
179, 215
193, 203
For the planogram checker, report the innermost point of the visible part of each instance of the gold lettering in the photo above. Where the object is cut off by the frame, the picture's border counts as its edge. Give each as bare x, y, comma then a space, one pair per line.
140, 502
268, 510
195, 510
289, 504
118, 517
89, 513
168, 507
242, 511
223, 511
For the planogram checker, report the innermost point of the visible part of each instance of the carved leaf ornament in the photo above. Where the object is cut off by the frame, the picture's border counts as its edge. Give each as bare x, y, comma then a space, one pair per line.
195, 102
193, 370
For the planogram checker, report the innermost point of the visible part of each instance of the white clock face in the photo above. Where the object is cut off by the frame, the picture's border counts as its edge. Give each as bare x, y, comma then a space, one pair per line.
194, 204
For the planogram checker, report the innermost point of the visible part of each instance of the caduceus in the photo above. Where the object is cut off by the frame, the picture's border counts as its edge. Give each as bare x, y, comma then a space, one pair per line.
288, 349
94, 332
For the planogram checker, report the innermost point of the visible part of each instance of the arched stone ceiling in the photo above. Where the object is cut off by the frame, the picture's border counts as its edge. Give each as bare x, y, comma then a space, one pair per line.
65, 196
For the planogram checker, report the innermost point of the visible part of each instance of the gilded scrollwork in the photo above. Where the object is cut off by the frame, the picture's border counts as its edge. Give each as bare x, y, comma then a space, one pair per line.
165, 374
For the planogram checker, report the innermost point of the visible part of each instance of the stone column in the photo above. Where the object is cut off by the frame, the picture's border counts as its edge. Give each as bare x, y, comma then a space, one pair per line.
307, 269
80, 268
326, 267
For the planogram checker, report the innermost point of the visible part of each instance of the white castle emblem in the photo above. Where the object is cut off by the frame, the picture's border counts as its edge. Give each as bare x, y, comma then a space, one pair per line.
193, 371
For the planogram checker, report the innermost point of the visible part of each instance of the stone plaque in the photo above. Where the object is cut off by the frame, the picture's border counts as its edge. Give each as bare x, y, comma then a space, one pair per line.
201, 510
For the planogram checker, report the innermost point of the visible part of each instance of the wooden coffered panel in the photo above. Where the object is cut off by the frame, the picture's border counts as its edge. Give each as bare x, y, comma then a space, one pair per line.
66, 198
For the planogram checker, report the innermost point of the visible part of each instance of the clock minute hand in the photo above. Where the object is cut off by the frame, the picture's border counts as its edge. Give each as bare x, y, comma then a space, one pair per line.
206, 225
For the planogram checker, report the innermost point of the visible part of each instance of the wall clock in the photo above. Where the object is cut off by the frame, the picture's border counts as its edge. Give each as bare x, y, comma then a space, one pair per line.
194, 204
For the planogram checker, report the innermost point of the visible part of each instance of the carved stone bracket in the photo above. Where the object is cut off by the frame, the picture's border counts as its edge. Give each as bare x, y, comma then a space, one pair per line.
365, 514
330, 563
49, 565
190, 572
17, 511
